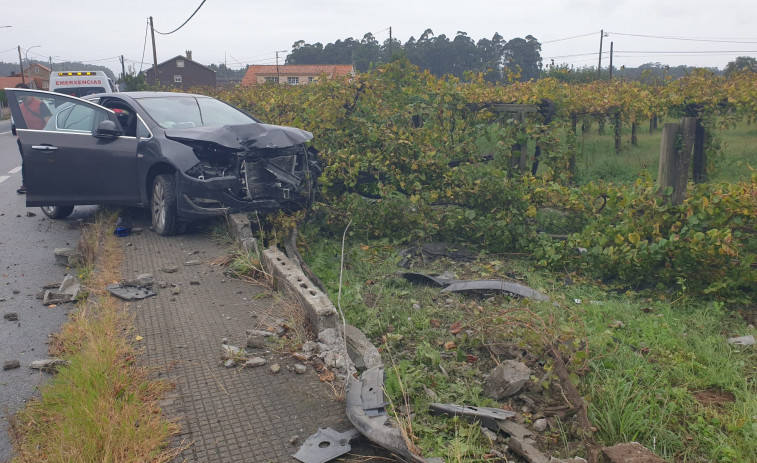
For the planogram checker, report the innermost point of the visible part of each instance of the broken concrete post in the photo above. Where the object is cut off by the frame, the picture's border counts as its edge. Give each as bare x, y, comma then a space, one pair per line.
291, 280
49, 365
506, 379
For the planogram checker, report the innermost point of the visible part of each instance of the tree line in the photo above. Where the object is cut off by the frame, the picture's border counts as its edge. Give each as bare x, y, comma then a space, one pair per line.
495, 58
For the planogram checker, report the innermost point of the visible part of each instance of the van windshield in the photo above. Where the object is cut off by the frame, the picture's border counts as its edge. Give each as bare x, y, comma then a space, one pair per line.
80, 91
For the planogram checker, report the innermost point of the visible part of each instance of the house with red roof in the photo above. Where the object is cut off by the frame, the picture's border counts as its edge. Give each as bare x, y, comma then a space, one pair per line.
296, 74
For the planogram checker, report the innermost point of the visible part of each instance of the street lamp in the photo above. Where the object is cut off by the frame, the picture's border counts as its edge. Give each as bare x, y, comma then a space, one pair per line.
26, 55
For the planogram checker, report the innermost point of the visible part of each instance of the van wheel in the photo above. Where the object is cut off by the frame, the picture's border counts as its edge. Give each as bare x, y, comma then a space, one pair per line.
57, 212
163, 205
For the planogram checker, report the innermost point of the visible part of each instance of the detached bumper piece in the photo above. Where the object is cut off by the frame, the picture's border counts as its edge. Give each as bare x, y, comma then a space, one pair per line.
325, 445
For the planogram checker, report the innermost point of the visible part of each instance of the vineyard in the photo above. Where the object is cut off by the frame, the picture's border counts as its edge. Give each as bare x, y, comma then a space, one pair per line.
645, 286
442, 162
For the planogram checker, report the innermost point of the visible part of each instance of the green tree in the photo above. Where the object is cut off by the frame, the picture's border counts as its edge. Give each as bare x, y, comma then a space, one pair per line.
523, 57
134, 82
741, 64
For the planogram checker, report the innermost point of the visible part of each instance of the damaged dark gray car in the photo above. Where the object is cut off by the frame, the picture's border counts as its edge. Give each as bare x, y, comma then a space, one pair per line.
184, 156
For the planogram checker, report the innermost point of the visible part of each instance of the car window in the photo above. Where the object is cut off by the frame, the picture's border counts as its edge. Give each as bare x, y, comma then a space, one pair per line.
184, 112
74, 118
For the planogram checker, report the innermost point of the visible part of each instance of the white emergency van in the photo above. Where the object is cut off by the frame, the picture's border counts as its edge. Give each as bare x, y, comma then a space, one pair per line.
81, 83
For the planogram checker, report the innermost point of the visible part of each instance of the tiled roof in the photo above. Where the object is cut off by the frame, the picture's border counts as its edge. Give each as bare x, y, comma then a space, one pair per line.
330, 70
9, 82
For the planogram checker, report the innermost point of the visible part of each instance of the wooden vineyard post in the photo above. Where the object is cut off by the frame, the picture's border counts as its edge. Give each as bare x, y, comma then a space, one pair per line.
634, 136
676, 148
574, 123
700, 157
518, 151
618, 132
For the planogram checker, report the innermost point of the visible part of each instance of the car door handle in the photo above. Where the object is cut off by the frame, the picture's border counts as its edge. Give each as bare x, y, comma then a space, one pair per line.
44, 147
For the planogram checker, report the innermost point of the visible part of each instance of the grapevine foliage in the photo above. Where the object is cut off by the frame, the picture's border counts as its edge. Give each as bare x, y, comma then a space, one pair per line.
419, 139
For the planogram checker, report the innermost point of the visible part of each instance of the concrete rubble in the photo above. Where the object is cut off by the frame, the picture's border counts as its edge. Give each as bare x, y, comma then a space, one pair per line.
49, 365
506, 379
68, 291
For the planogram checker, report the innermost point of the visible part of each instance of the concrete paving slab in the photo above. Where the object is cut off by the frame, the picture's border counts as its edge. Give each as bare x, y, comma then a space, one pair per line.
226, 414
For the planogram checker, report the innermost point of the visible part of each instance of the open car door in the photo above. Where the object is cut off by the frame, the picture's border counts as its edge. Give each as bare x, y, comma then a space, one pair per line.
74, 151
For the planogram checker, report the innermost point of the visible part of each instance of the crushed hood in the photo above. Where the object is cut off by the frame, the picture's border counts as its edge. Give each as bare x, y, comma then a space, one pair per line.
240, 137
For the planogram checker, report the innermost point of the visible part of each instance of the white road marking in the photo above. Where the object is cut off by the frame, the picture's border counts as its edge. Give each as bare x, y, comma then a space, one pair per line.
15, 170
3, 178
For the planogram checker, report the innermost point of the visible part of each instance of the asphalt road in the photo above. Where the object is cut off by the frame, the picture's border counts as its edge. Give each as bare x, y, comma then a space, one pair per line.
27, 263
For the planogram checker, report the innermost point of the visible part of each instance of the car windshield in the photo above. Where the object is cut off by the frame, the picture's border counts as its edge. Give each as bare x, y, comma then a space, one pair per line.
183, 112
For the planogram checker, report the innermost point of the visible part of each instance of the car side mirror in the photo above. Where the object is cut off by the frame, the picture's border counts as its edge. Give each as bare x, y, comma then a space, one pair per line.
107, 129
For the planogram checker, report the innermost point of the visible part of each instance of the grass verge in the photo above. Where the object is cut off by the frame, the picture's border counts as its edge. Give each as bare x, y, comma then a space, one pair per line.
101, 407
654, 368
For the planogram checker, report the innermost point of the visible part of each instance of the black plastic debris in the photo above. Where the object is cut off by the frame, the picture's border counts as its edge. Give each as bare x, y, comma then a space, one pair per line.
129, 293
488, 417
325, 445
453, 285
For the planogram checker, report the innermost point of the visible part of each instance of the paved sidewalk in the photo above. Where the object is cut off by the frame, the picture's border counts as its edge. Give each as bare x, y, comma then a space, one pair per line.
225, 414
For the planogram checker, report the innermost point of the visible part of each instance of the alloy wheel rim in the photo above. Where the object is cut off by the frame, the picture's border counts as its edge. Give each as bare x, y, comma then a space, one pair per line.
158, 208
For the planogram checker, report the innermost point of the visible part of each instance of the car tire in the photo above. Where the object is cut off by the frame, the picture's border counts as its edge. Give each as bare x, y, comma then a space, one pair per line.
163, 205
57, 212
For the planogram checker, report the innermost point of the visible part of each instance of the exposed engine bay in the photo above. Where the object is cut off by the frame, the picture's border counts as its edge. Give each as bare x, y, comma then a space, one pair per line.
266, 162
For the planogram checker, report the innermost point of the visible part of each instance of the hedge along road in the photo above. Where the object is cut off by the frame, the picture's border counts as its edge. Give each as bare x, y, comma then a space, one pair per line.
27, 263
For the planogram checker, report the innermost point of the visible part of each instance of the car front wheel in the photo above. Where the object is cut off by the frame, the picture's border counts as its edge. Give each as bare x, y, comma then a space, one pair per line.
57, 212
163, 205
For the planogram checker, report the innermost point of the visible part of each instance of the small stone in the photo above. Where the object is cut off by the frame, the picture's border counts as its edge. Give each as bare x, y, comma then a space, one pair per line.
30, 214
255, 362
47, 364
309, 346
163, 284
300, 369
328, 336
229, 363
493, 437
194, 282
506, 379
11, 365
416, 306
191, 263
224, 340
11, 316
170, 269
231, 351
275, 368
742, 340
176, 290
293, 440
16, 291
540, 425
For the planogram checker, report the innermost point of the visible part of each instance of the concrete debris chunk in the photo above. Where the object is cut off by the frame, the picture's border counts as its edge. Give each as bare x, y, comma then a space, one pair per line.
170, 269
11, 364
300, 369
630, 452
743, 340
49, 365
67, 256
67, 291
11, 316
232, 352
129, 293
506, 379
325, 445
522, 442
275, 368
328, 336
146, 280
255, 362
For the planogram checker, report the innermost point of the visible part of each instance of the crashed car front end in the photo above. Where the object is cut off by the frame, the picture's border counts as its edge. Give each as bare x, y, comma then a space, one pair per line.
256, 167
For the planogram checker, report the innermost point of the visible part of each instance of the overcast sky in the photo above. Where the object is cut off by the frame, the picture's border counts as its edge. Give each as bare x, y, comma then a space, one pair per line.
674, 32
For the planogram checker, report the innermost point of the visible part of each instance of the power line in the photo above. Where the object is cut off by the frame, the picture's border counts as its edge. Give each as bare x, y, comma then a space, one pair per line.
144, 46
185, 22
570, 38
693, 39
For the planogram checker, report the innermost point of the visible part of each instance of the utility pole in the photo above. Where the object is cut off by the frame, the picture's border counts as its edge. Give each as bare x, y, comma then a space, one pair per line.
21, 62
278, 74
154, 53
611, 60
599, 66
390, 43
123, 69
